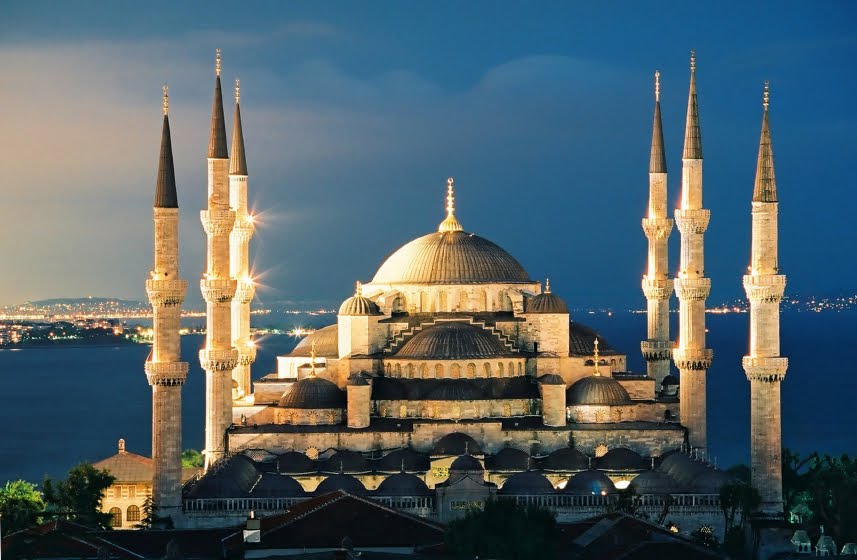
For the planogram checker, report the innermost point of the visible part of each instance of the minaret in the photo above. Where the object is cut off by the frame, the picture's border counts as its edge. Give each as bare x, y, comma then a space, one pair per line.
657, 286
239, 258
691, 356
218, 358
164, 369
764, 367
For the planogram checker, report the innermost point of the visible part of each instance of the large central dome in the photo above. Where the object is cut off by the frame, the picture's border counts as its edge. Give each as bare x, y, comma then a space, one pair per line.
451, 257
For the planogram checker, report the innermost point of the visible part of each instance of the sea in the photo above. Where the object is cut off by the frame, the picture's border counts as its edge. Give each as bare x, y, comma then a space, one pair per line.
63, 405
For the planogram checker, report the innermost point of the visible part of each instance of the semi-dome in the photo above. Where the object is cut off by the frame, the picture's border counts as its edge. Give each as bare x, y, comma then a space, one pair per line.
313, 392
403, 484
454, 341
529, 483
597, 390
340, 482
456, 443
358, 305
326, 343
451, 257
566, 459
581, 340
589, 482
653, 482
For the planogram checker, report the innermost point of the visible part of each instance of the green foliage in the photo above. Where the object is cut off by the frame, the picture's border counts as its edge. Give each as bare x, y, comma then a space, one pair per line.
79, 496
738, 498
191, 458
505, 530
21, 506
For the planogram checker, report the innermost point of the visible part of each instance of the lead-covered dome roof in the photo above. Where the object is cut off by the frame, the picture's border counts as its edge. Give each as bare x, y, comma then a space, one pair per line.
547, 302
313, 392
326, 343
597, 390
454, 341
403, 484
451, 257
529, 483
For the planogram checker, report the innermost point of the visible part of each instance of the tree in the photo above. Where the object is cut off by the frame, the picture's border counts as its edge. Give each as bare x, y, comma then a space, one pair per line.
79, 496
737, 498
191, 458
21, 506
505, 530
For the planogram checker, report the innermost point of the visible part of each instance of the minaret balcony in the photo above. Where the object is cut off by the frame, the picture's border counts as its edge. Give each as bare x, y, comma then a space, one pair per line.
768, 370
166, 293
245, 291
692, 221
692, 289
246, 354
218, 360
243, 230
693, 358
217, 222
657, 228
657, 288
656, 350
764, 287
168, 374
217, 290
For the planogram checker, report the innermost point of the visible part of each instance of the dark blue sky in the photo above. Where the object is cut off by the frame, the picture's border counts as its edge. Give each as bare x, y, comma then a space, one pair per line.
355, 113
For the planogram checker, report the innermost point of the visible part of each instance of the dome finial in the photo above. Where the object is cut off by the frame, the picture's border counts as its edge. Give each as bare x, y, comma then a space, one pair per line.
596, 372
766, 96
312, 359
657, 85
547, 285
166, 91
217, 61
358, 289
450, 223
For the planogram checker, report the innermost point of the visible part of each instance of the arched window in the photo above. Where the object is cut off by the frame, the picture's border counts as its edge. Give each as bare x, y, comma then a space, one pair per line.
501, 369
471, 371
423, 371
483, 301
410, 371
455, 371
398, 370
441, 301
486, 367
463, 301
520, 368
438, 371
512, 369
399, 305
331, 417
504, 301
115, 517
133, 513
424, 302
278, 417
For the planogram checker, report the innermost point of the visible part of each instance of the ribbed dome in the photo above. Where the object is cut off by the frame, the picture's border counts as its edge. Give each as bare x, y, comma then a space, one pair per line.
589, 482
597, 390
547, 302
313, 392
452, 257
454, 341
466, 463
326, 343
403, 484
340, 482
529, 483
359, 306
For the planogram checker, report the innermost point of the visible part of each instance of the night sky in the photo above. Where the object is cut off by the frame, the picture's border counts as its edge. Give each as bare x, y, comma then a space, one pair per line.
356, 112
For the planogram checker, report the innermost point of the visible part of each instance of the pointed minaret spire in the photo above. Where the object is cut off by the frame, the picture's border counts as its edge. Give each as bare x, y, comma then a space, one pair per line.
692, 135
450, 223
217, 139
657, 160
238, 162
765, 189
165, 186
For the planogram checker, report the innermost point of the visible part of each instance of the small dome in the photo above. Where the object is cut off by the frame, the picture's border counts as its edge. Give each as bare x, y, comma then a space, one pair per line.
357, 305
589, 482
359, 379
509, 459
711, 480
313, 392
669, 380
278, 486
340, 482
456, 443
451, 257
403, 484
455, 390
597, 390
233, 479
621, 459
346, 461
454, 341
551, 379
581, 340
326, 343
566, 459
529, 483
546, 302
466, 463
295, 463
410, 460
654, 482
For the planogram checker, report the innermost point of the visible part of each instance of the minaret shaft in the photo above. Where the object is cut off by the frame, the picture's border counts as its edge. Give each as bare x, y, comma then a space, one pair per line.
165, 371
764, 367
218, 358
691, 356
